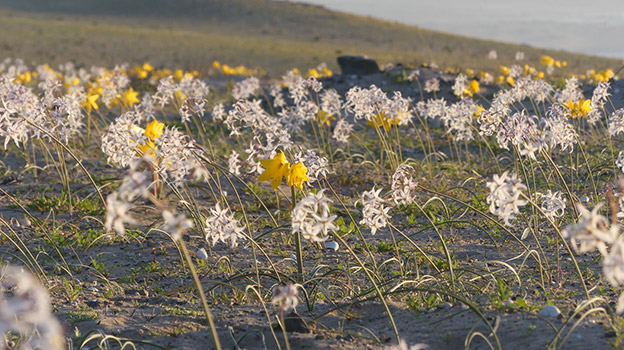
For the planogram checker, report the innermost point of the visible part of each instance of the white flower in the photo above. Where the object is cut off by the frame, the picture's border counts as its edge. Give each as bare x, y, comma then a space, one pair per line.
432, 85
592, 231
246, 88
117, 214
403, 185
342, 131
317, 166
175, 225
374, 213
553, 204
492, 55
311, 217
234, 163
222, 226
285, 297
25, 309
504, 196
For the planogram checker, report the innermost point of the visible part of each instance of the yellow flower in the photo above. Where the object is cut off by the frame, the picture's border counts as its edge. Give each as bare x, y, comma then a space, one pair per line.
297, 175
578, 109
381, 120
131, 97
147, 67
547, 60
504, 70
477, 113
90, 104
154, 129
323, 118
275, 169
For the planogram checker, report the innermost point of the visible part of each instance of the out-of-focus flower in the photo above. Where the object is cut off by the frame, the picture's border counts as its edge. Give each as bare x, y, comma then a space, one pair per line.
130, 97
175, 225
592, 231
285, 297
25, 310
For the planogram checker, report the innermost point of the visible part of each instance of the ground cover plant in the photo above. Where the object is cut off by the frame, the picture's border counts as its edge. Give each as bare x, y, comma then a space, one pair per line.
153, 207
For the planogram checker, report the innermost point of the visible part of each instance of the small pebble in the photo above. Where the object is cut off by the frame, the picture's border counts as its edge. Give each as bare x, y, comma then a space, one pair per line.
201, 254
331, 245
550, 311
445, 306
585, 199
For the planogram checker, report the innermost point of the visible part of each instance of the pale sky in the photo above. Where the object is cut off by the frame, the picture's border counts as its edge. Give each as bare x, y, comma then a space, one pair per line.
592, 27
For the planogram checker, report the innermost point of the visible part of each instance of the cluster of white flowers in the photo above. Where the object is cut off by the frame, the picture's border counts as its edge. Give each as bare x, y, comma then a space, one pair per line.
175, 157
342, 131
267, 132
374, 212
403, 185
311, 218
24, 115
317, 165
331, 102
553, 204
599, 98
432, 85
504, 197
458, 118
246, 88
234, 163
369, 103
120, 143
460, 85
222, 226
25, 310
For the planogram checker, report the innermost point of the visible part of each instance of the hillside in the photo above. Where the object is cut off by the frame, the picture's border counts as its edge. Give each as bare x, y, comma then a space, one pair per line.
274, 35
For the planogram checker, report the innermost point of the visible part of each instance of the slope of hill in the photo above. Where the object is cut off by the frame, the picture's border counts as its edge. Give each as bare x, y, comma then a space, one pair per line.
274, 35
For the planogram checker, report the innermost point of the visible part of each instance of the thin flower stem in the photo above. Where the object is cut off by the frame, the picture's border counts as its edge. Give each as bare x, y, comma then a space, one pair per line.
202, 296
297, 237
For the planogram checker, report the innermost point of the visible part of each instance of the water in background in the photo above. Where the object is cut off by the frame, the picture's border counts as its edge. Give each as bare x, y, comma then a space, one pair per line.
592, 27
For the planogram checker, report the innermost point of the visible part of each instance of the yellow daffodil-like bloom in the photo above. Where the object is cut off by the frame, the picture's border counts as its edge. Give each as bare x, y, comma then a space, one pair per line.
477, 113
297, 175
154, 130
89, 104
472, 89
130, 97
323, 118
578, 109
275, 169
547, 60
504, 70
470, 72
603, 75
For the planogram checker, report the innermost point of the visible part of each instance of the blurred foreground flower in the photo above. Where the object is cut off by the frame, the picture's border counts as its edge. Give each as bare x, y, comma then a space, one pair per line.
285, 297
25, 309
